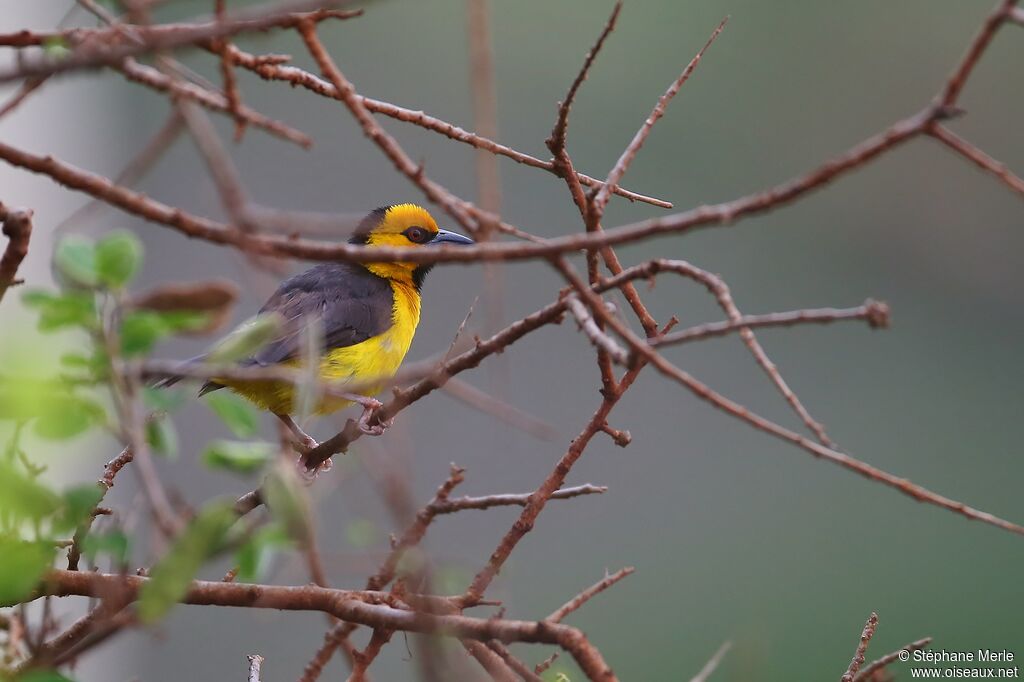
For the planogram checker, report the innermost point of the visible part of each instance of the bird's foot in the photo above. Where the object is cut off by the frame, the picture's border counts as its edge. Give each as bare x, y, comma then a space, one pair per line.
370, 406
308, 474
303, 444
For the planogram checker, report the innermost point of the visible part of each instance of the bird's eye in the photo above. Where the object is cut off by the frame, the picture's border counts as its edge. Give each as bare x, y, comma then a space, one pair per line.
417, 235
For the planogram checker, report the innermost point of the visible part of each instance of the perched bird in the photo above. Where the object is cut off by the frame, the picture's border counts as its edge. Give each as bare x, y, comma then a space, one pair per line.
367, 314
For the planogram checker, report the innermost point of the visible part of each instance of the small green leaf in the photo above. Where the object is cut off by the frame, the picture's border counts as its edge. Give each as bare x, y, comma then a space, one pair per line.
162, 437
66, 416
56, 48
76, 259
254, 556
22, 566
247, 338
22, 497
170, 578
77, 505
362, 533
114, 544
240, 457
288, 501
56, 311
235, 412
118, 256
140, 330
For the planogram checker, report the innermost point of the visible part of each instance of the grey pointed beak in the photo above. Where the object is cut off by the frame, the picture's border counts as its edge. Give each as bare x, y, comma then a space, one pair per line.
449, 237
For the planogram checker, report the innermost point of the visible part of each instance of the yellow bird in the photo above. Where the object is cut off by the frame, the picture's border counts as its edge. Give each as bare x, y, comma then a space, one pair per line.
367, 314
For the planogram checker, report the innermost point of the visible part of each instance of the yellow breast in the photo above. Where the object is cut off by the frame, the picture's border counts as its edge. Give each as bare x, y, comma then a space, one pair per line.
377, 357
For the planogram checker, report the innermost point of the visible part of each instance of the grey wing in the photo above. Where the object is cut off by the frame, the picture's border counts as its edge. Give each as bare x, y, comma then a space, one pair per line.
352, 304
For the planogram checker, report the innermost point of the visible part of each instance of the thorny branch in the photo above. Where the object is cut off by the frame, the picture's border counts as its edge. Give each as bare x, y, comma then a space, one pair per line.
120, 46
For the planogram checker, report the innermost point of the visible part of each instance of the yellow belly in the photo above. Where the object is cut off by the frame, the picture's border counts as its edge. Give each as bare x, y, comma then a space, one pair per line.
378, 357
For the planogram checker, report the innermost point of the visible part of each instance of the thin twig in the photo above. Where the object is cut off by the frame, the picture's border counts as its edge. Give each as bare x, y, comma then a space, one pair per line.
867, 672
622, 165
586, 595
875, 313
858, 657
978, 157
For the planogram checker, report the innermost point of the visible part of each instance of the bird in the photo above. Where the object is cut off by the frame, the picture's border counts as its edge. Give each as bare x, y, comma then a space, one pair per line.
367, 314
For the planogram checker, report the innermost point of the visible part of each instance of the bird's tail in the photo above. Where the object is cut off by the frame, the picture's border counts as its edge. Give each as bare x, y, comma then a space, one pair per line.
169, 381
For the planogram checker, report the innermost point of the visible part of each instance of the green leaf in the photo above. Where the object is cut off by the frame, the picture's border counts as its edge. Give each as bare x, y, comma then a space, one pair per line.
247, 338
114, 543
77, 505
240, 457
162, 437
170, 578
118, 257
235, 412
22, 566
66, 416
56, 48
56, 311
24, 498
76, 258
253, 557
288, 501
140, 330
162, 399
362, 533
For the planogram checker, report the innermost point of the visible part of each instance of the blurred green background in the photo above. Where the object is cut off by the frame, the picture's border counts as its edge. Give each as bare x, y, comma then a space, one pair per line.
735, 536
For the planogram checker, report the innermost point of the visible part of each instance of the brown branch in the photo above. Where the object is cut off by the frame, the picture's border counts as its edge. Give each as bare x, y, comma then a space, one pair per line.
978, 157
105, 483
867, 673
17, 227
717, 400
509, 500
315, 84
622, 165
592, 331
858, 657
412, 536
951, 90
387, 144
539, 498
556, 143
517, 666
875, 313
23, 93
214, 101
101, 48
363, 607
492, 663
559, 614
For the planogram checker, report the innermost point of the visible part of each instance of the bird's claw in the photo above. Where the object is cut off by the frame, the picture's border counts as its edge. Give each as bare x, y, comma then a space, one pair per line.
370, 407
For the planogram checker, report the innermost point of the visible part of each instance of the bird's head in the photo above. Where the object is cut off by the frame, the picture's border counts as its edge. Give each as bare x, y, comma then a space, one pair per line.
403, 225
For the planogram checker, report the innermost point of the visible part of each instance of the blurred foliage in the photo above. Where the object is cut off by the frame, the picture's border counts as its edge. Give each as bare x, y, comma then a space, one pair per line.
78, 397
